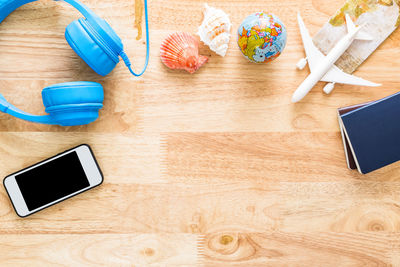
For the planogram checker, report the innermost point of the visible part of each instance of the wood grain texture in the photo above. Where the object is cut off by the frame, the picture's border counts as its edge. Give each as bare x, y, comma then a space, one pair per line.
212, 169
301, 249
99, 250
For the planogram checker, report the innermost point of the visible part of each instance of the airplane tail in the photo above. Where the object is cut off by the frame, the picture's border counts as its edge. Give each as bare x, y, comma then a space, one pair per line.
351, 27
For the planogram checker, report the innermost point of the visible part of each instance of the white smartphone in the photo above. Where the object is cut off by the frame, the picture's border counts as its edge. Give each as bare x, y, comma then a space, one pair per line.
53, 180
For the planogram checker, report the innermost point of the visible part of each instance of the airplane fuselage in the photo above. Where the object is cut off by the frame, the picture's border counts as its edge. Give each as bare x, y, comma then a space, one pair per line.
323, 67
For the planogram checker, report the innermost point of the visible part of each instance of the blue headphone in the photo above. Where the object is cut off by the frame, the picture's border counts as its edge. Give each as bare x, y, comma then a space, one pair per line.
93, 39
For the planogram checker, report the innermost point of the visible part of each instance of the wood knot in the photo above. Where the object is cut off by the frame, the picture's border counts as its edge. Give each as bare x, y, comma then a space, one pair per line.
148, 252
376, 226
370, 217
223, 244
231, 246
225, 239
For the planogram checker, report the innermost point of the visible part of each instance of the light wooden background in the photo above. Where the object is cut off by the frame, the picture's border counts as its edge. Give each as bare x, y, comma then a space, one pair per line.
216, 168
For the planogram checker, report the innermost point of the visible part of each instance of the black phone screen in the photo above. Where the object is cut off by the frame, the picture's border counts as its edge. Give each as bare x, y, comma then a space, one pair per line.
51, 181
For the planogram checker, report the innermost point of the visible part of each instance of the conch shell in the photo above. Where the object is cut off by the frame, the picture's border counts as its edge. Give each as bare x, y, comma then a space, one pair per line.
181, 51
214, 31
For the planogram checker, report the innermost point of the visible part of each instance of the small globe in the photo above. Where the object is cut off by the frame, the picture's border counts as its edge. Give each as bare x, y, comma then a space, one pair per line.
261, 37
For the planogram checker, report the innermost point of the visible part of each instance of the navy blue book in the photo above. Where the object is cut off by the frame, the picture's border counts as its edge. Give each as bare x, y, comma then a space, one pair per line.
372, 132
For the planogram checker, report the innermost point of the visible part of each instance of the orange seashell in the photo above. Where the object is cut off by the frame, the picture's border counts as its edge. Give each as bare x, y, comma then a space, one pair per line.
181, 51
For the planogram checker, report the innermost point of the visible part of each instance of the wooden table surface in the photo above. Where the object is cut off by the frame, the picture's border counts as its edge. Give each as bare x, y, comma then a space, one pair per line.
216, 168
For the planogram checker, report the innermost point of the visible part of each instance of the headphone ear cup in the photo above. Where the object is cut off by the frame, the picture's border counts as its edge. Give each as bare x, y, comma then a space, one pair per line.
73, 103
87, 43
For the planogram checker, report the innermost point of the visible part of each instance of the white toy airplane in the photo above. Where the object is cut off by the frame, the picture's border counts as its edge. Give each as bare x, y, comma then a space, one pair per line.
322, 67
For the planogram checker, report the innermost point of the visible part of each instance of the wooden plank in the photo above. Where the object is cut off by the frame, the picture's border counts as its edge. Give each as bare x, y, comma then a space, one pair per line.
99, 250
294, 157
245, 207
301, 249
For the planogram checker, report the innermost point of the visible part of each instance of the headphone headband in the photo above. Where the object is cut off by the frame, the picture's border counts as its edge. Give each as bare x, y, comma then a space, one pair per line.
6, 107
8, 7
84, 10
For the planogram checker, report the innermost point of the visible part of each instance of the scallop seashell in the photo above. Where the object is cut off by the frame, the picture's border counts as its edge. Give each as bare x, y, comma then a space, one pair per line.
180, 50
215, 29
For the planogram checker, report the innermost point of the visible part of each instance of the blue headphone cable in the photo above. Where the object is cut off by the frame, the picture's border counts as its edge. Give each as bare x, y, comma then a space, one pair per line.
125, 57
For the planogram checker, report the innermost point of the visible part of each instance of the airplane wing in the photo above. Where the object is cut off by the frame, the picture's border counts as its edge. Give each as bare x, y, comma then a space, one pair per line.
336, 75
312, 52
314, 55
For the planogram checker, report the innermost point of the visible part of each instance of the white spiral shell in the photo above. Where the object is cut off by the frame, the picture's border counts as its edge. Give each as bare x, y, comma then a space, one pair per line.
215, 29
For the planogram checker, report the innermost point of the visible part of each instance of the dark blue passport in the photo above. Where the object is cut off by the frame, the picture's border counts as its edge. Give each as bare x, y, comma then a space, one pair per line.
373, 133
